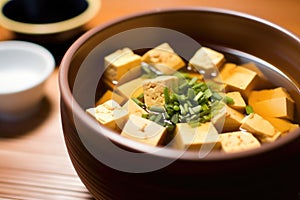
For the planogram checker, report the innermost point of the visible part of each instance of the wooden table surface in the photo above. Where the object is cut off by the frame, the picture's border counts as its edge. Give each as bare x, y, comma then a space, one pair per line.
34, 163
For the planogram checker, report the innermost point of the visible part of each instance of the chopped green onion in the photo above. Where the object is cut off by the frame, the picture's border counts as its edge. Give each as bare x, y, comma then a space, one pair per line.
159, 109
197, 109
186, 107
166, 115
194, 124
181, 75
216, 96
183, 86
228, 100
138, 102
182, 110
181, 98
175, 118
146, 116
190, 93
193, 117
166, 95
176, 108
152, 117
208, 93
202, 86
198, 96
189, 103
207, 117
205, 107
158, 118
173, 97
249, 109
141, 96
193, 81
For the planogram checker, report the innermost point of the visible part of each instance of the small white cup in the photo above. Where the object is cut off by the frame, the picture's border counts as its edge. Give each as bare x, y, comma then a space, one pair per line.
24, 68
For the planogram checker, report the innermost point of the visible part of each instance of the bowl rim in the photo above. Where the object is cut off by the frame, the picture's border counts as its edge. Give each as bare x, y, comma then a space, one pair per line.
50, 28
71, 103
38, 50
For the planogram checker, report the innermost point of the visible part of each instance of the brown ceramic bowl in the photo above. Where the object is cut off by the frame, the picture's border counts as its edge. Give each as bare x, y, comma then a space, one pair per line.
113, 167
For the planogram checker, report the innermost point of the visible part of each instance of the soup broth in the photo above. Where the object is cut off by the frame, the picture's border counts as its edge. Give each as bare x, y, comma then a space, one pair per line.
274, 78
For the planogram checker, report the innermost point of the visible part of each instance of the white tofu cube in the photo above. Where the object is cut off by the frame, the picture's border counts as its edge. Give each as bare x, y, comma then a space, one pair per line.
238, 141
258, 126
143, 130
204, 136
280, 107
282, 125
242, 80
263, 82
133, 108
272, 103
228, 119
207, 60
226, 71
130, 88
164, 59
109, 114
154, 89
239, 102
121, 62
266, 139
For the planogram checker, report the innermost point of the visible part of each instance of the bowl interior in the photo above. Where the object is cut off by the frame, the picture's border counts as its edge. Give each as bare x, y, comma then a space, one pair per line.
43, 11
241, 37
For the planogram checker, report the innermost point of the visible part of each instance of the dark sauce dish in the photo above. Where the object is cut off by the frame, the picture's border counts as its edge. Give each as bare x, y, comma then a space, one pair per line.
36, 17
48, 22
43, 11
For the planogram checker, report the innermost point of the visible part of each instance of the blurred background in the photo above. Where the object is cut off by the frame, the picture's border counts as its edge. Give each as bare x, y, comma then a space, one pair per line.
282, 13
34, 162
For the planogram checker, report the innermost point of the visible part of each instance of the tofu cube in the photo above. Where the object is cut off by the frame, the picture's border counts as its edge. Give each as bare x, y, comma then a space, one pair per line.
131, 88
195, 138
120, 62
228, 119
109, 84
258, 126
263, 80
109, 114
272, 103
225, 71
238, 141
154, 89
143, 130
282, 125
110, 95
239, 102
260, 95
207, 60
280, 107
242, 80
133, 108
268, 139
164, 59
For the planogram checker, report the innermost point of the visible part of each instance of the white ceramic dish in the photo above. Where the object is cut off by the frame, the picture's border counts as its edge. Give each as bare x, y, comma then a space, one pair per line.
24, 68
